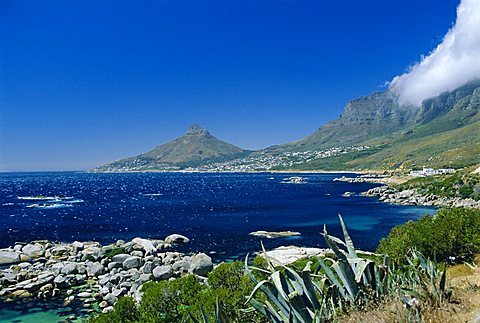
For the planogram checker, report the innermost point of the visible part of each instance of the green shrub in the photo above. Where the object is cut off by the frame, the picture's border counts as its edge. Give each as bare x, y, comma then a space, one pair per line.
450, 233
173, 301
124, 311
460, 185
229, 284
170, 301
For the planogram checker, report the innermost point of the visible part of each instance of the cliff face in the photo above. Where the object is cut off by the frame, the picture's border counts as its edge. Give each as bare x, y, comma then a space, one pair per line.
377, 115
364, 118
442, 104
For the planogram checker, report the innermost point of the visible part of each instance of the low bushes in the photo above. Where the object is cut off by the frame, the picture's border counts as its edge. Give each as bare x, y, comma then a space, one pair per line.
450, 235
175, 300
457, 185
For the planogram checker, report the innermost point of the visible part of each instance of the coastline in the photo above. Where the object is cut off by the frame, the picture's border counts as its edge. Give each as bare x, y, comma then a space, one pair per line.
243, 172
94, 276
97, 275
388, 193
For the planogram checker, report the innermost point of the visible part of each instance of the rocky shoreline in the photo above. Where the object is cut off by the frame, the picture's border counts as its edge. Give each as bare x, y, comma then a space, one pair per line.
92, 272
392, 195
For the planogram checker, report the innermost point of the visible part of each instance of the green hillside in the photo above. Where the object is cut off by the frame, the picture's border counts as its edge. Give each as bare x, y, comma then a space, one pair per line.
196, 146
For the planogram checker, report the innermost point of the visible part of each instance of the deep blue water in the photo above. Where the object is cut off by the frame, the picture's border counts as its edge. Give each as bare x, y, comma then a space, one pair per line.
217, 211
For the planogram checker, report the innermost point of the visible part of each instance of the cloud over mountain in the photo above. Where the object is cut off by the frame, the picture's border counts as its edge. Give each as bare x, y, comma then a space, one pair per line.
454, 62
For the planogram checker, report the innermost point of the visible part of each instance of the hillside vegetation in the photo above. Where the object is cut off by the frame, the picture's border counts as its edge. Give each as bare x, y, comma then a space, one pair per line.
461, 184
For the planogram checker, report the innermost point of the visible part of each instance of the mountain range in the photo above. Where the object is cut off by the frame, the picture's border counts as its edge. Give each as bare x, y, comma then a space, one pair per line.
443, 132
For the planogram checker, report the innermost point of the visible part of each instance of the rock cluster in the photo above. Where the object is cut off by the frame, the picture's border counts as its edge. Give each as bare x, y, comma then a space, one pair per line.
369, 178
389, 194
285, 255
92, 272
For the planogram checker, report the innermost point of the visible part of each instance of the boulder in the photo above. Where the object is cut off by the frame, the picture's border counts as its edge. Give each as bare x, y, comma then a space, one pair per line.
46, 287
147, 268
33, 250
92, 252
110, 298
181, 265
147, 245
60, 281
70, 268
24, 265
103, 280
9, 257
112, 265
143, 278
77, 245
80, 279
201, 264
21, 293
107, 309
162, 272
120, 258
115, 279
118, 292
84, 295
81, 269
132, 262
176, 239
60, 251
95, 269
137, 253
32, 287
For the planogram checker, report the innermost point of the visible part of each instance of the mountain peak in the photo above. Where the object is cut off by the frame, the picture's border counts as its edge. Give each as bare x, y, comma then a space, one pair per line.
195, 130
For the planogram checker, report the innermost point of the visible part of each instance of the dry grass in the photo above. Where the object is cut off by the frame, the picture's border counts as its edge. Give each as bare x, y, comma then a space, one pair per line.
460, 271
463, 307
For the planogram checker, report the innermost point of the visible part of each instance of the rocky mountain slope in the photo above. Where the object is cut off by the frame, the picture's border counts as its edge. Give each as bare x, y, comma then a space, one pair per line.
196, 146
364, 118
443, 132
377, 115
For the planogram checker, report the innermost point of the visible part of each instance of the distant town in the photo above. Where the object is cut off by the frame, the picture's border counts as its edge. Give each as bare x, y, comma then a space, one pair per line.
258, 161
265, 161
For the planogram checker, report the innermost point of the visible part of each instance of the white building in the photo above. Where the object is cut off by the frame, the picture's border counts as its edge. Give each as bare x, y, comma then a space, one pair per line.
430, 172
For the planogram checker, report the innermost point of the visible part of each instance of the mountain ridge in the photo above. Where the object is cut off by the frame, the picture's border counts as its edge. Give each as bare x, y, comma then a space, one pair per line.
375, 120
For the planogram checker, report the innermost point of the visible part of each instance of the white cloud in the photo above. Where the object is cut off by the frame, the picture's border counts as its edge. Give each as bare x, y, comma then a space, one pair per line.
452, 64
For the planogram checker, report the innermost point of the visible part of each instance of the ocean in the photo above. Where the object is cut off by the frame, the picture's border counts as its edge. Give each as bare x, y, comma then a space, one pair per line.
217, 211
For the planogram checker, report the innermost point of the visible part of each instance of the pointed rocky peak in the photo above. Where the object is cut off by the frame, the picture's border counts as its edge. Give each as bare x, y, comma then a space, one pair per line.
196, 130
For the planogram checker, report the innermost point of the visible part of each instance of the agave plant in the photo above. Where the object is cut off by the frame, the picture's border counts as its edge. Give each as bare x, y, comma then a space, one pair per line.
354, 277
422, 280
348, 279
220, 315
291, 296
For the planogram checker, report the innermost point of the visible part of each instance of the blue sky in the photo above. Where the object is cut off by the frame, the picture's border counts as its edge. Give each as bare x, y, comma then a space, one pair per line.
87, 82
